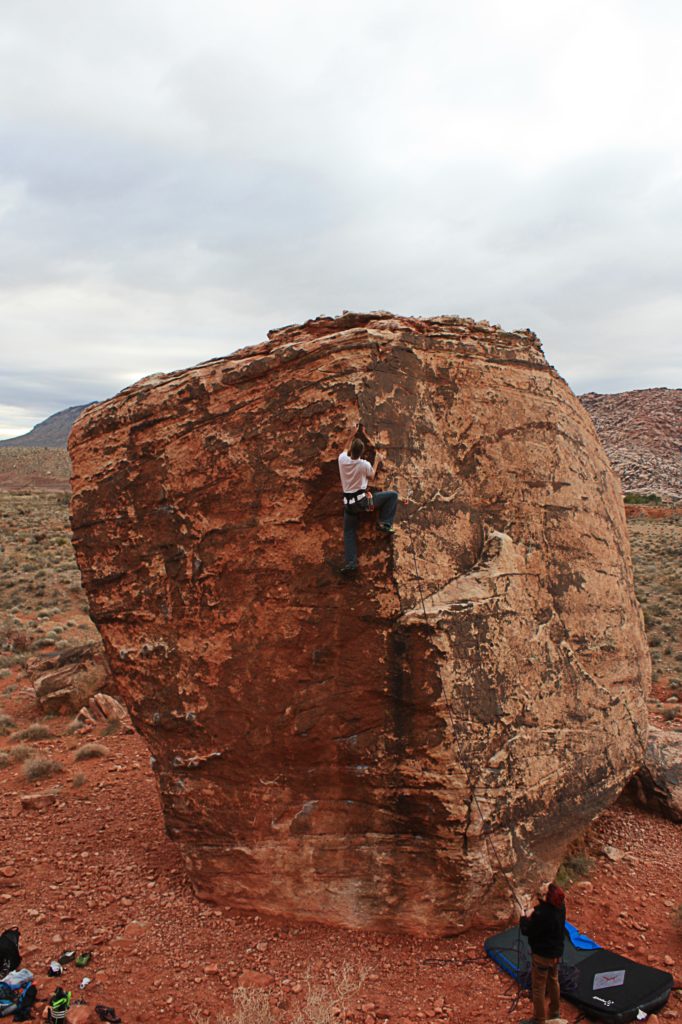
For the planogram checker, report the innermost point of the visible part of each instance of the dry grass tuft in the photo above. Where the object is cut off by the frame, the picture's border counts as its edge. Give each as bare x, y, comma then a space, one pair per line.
112, 727
6, 725
89, 751
251, 1006
40, 768
320, 1006
31, 732
22, 752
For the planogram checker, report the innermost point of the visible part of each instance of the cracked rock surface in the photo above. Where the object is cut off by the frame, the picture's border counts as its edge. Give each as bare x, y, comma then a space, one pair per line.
378, 752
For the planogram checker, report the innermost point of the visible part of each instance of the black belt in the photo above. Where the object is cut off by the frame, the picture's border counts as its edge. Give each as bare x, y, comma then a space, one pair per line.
357, 501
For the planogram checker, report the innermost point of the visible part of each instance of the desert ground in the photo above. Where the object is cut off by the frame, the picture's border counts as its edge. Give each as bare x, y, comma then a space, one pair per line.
93, 870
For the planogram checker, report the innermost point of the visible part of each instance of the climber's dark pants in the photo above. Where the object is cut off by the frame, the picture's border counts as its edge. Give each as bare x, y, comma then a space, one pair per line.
387, 503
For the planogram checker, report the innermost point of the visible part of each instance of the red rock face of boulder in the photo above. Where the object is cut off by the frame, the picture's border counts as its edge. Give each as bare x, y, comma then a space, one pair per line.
369, 752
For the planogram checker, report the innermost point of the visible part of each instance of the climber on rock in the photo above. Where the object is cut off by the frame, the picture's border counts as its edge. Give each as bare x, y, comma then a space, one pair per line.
355, 473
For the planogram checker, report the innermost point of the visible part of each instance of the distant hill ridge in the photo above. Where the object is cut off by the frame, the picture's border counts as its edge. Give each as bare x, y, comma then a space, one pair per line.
640, 430
642, 434
51, 433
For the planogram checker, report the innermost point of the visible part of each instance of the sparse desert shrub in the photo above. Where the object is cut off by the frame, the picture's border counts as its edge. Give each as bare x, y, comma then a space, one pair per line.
320, 1006
78, 780
329, 1005
40, 768
251, 1006
74, 725
575, 866
5, 759
20, 641
112, 727
22, 752
31, 732
670, 714
6, 725
90, 750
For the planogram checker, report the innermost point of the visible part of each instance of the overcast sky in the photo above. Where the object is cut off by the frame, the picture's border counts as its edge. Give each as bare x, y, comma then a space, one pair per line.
179, 176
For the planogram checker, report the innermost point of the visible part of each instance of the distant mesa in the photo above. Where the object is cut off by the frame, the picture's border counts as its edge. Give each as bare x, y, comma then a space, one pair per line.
642, 434
51, 433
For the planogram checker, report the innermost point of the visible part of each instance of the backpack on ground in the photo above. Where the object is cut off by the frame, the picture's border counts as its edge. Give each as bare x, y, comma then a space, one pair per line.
17, 993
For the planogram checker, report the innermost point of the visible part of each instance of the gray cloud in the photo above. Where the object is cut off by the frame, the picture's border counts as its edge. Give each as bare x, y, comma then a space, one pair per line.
177, 178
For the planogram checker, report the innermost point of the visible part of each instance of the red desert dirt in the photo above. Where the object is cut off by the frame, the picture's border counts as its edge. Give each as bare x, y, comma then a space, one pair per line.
94, 870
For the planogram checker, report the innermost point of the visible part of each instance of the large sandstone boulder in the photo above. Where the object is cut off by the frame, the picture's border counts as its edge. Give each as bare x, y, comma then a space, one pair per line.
387, 752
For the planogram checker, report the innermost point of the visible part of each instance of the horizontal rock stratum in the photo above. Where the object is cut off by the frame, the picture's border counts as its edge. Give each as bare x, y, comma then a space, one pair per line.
392, 751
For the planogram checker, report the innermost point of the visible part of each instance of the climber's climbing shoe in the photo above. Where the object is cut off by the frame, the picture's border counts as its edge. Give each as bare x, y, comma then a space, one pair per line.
385, 528
349, 568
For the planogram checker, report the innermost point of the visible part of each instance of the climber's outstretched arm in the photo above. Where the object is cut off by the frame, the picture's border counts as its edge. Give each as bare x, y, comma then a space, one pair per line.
351, 438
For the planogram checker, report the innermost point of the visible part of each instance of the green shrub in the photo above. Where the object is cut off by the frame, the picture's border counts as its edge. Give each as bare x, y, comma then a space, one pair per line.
575, 866
633, 498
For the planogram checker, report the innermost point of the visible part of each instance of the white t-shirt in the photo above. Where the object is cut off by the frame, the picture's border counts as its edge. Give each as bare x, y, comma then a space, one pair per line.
355, 473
